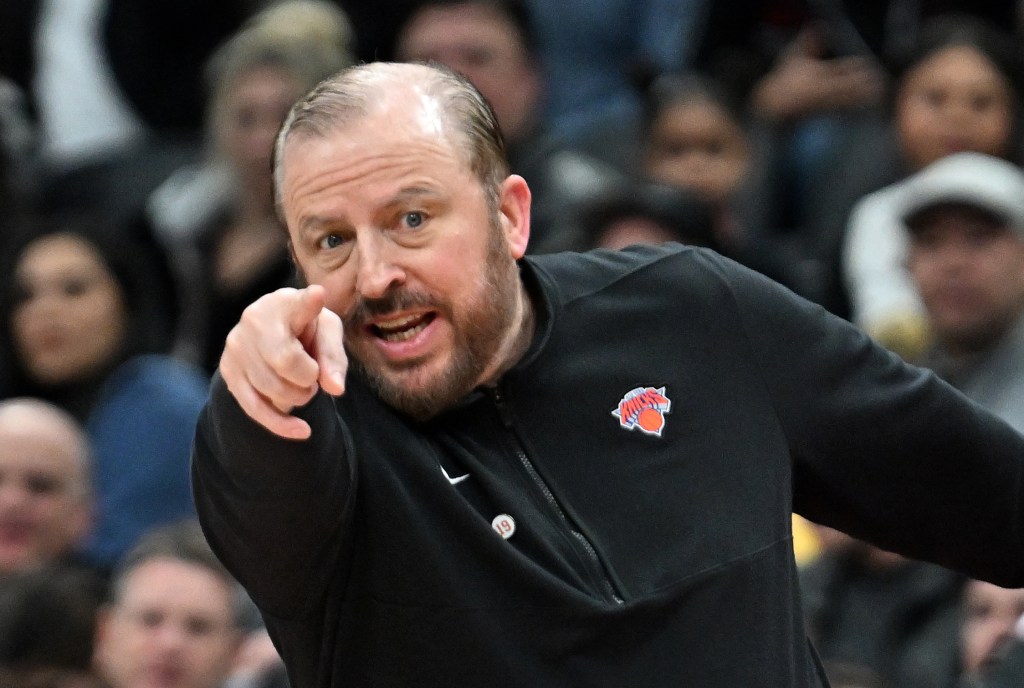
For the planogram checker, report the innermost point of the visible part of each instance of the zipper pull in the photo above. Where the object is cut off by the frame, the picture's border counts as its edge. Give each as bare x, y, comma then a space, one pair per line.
500, 406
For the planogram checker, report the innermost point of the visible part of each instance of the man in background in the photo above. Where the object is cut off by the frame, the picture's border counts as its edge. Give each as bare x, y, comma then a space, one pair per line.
965, 216
45, 494
491, 43
175, 615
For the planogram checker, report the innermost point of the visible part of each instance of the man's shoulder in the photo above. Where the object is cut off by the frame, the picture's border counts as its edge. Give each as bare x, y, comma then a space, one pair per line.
666, 266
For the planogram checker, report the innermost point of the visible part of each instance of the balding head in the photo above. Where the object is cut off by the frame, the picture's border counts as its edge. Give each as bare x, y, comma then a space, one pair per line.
45, 495
438, 98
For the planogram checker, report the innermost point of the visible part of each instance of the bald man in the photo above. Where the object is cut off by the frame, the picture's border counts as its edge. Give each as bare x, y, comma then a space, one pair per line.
45, 496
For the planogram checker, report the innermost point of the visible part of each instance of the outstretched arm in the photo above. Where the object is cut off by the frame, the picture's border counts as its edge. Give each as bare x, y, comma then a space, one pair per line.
272, 467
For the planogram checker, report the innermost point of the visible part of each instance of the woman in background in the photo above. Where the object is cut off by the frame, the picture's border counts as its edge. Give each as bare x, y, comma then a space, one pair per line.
218, 219
83, 327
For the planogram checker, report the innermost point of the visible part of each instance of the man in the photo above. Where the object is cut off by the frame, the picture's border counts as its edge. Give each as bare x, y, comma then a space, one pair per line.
45, 485
560, 470
175, 615
491, 43
965, 216
965, 220
990, 636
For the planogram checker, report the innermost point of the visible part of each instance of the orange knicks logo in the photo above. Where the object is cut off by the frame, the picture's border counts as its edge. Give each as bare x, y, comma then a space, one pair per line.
644, 408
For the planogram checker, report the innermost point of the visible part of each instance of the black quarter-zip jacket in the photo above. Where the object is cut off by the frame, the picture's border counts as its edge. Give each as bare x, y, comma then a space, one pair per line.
616, 511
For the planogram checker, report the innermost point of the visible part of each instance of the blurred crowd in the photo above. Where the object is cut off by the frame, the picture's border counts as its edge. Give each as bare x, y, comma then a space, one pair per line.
865, 154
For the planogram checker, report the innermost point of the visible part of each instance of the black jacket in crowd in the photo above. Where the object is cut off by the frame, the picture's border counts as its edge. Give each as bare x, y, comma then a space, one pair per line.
616, 512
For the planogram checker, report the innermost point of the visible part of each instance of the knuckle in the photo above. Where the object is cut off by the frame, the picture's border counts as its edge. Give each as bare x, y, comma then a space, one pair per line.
284, 358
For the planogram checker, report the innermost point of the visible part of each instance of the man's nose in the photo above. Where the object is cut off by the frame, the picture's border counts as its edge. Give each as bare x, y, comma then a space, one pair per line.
171, 637
377, 270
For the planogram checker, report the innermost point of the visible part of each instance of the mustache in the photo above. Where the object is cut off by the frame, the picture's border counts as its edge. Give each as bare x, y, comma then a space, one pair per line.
395, 300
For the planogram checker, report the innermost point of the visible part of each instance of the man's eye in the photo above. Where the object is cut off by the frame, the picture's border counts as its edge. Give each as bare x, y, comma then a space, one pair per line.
331, 241
414, 219
42, 484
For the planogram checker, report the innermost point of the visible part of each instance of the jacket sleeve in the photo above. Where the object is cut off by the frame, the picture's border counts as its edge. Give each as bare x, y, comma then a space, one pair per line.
274, 509
883, 450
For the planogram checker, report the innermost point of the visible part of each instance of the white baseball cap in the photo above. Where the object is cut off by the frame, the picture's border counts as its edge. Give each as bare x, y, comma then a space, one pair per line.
973, 179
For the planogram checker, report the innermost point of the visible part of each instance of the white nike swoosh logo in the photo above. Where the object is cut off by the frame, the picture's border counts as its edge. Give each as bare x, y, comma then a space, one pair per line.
456, 480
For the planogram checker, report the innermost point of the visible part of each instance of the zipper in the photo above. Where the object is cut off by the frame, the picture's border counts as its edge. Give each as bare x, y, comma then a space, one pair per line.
588, 548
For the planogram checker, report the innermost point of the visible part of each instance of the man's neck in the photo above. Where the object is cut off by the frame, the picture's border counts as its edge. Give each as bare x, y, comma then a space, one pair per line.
517, 339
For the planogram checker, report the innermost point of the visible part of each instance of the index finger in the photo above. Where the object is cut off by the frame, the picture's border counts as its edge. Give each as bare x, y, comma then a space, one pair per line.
329, 352
309, 302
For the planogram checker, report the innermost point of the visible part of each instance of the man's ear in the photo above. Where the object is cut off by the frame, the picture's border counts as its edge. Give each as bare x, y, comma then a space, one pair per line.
514, 207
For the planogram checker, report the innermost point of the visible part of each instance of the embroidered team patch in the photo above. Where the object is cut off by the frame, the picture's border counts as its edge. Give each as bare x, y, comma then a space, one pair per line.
644, 409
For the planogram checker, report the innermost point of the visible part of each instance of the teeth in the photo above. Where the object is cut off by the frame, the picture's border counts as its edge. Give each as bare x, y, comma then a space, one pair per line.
403, 335
401, 328
397, 323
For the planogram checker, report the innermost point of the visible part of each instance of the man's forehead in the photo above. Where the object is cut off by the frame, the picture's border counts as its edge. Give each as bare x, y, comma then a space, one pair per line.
45, 432
958, 215
406, 108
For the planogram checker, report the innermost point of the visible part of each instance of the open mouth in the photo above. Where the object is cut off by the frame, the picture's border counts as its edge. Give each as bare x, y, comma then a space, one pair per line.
403, 328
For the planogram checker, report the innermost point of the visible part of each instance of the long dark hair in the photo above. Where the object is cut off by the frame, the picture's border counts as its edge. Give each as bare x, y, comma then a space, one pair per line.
136, 264
955, 30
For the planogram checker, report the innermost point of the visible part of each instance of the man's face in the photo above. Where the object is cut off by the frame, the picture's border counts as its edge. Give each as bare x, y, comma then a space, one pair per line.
387, 216
44, 497
171, 628
969, 271
481, 44
990, 613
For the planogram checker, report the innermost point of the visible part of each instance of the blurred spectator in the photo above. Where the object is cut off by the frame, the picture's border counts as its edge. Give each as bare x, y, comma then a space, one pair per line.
958, 90
886, 615
45, 485
989, 637
646, 213
965, 216
814, 73
15, 144
591, 52
747, 43
114, 88
812, 85
174, 617
696, 138
218, 218
47, 621
80, 330
965, 220
491, 42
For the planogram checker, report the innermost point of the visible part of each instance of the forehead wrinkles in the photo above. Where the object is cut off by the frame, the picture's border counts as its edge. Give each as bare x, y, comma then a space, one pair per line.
332, 166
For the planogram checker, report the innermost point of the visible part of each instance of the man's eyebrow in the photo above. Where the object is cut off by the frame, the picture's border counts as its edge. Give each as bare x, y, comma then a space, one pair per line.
312, 223
412, 193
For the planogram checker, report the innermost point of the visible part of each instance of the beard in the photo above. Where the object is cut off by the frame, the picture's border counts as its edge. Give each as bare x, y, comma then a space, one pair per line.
480, 327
